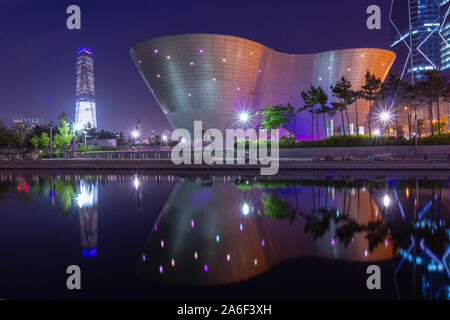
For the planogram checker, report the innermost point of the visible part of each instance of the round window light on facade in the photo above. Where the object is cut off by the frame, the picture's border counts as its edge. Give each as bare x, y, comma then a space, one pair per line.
191, 63
189, 94
349, 69
201, 51
224, 60
158, 75
214, 79
320, 78
251, 52
168, 57
155, 51
329, 68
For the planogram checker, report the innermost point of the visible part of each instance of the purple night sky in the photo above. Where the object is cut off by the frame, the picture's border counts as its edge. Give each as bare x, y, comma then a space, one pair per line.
38, 52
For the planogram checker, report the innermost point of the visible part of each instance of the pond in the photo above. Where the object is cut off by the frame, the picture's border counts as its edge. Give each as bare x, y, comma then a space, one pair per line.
141, 235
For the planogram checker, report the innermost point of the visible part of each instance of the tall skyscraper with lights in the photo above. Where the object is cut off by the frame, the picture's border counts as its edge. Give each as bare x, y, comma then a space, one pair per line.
85, 110
445, 35
419, 36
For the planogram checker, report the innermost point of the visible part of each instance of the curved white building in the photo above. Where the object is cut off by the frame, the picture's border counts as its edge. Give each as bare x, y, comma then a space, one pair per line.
212, 77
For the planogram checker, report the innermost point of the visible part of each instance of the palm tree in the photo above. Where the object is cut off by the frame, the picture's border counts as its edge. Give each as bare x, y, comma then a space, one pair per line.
370, 91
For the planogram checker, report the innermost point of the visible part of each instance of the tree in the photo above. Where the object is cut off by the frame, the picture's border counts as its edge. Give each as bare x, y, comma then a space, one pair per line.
309, 105
420, 126
355, 96
322, 100
408, 93
434, 87
342, 92
44, 140
63, 138
5, 136
390, 88
275, 116
35, 141
19, 133
369, 91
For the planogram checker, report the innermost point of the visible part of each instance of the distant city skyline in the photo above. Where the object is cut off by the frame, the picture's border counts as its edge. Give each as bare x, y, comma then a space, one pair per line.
38, 72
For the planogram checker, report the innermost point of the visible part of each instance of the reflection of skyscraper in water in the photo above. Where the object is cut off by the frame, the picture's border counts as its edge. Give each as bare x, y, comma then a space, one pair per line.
88, 213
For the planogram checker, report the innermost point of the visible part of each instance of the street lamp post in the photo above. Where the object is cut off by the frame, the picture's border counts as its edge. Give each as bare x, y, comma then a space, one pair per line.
51, 141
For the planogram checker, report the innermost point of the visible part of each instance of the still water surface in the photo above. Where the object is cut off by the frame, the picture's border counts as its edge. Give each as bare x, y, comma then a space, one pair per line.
158, 237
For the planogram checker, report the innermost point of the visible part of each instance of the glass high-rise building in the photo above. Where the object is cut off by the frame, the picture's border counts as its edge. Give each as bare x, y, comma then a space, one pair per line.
85, 110
419, 36
445, 35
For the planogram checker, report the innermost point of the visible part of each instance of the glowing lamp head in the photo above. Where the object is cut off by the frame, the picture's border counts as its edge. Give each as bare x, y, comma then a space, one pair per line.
135, 134
78, 126
243, 116
245, 209
385, 116
377, 132
164, 138
386, 201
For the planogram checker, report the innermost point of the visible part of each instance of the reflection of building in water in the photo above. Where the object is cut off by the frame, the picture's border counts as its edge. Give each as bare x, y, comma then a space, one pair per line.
87, 201
221, 233
424, 214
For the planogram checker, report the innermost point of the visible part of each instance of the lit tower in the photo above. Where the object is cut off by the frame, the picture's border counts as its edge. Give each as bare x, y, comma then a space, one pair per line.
85, 111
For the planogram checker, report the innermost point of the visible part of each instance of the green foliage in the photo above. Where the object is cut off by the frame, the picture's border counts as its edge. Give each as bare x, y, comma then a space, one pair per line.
35, 142
63, 139
276, 116
44, 140
277, 208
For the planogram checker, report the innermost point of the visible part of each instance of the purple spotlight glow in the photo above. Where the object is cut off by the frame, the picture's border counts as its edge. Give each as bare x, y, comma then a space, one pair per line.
192, 223
84, 49
156, 227
160, 269
365, 253
263, 242
259, 71
228, 257
162, 243
90, 253
189, 94
333, 242
201, 51
206, 268
386, 243
155, 51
